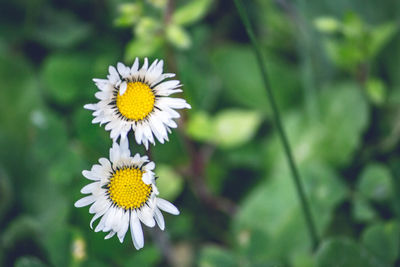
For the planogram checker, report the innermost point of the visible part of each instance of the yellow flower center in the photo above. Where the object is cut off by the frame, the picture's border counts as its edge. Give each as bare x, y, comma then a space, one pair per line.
137, 101
127, 189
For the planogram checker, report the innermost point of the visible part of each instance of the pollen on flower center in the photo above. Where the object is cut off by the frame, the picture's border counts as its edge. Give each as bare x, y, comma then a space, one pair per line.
127, 190
137, 101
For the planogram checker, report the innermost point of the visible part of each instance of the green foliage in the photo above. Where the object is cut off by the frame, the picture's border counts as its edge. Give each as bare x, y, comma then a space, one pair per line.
201, 127
67, 77
29, 262
377, 91
150, 256
150, 33
178, 37
362, 210
60, 30
345, 115
19, 96
169, 183
226, 150
344, 252
335, 137
355, 42
235, 127
19, 229
271, 216
246, 89
142, 47
383, 241
375, 182
229, 128
6, 192
129, 14
191, 12
327, 24
213, 256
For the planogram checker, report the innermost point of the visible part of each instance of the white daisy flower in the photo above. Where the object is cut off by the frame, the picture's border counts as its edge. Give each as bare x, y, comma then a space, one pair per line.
124, 194
138, 99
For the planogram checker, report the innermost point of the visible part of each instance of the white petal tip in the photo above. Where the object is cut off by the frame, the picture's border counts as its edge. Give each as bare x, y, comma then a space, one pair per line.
122, 88
89, 106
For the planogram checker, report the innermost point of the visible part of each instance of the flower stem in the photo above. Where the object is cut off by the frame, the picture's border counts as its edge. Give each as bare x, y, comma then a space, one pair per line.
295, 174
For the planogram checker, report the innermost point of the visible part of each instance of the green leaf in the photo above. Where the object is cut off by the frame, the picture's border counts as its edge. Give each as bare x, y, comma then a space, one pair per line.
169, 183
129, 14
29, 261
200, 84
200, 126
245, 88
344, 116
50, 132
57, 242
91, 136
235, 127
20, 228
67, 167
303, 259
158, 3
172, 152
345, 54
147, 28
18, 97
67, 77
344, 252
333, 139
148, 256
353, 26
55, 235
279, 230
376, 91
178, 36
380, 36
362, 210
143, 47
383, 240
60, 29
191, 12
237, 67
375, 182
229, 128
251, 156
327, 24
214, 256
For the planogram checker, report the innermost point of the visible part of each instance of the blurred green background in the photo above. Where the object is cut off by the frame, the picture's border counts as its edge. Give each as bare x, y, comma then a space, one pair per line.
334, 67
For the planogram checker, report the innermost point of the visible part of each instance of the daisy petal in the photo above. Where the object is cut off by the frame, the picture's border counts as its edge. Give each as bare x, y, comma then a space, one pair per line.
136, 231
87, 189
167, 206
122, 88
124, 228
89, 175
111, 234
84, 201
159, 219
135, 66
146, 216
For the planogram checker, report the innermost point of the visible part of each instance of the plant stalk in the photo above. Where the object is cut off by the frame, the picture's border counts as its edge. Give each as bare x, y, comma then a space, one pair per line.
277, 118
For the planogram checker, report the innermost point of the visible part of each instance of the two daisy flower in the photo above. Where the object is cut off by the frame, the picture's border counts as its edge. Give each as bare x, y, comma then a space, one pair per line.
123, 192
